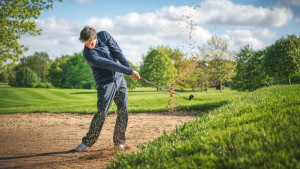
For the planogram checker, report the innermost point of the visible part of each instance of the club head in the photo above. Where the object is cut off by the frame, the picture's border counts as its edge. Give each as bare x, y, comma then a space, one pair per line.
191, 97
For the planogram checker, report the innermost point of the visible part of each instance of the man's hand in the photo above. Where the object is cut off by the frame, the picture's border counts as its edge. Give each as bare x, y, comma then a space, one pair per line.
135, 75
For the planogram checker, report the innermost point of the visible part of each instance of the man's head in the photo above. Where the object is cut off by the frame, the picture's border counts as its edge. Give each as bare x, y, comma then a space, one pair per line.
88, 36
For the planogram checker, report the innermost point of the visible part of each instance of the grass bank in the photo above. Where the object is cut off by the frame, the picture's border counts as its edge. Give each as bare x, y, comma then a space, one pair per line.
31, 100
259, 130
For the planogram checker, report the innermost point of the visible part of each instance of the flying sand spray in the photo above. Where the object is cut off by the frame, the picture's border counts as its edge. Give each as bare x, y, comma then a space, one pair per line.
168, 90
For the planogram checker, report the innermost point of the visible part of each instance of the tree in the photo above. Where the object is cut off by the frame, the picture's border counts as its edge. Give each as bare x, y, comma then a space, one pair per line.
18, 18
198, 77
12, 79
131, 83
39, 62
222, 70
58, 72
219, 58
242, 58
250, 73
295, 78
25, 77
176, 56
71, 72
3, 77
183, 65
282, 59
11, 73
79, 73
158, 68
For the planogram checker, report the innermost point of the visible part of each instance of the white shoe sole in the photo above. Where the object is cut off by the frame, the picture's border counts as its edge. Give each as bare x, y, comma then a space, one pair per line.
81, 147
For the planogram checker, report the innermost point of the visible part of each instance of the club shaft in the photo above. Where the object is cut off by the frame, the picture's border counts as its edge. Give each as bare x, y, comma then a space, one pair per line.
157, 86
168, 90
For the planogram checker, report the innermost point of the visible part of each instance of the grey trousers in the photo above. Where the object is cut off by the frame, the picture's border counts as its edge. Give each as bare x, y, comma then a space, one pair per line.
106, 93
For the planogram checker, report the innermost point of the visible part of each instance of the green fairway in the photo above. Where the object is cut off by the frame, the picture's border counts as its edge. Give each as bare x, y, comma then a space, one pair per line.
27, 100
259, 130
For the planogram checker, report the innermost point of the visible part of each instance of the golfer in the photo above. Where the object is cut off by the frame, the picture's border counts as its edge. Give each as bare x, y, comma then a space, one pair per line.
102, 53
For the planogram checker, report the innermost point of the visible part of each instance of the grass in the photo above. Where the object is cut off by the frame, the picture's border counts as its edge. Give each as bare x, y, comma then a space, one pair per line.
31, 100
258, 130
242, 130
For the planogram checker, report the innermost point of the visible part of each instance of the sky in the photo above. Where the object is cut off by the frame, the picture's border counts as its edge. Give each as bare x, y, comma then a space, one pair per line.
185, 24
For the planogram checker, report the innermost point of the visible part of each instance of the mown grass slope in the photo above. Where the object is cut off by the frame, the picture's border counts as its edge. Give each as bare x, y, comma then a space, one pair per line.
259, 130
29, 100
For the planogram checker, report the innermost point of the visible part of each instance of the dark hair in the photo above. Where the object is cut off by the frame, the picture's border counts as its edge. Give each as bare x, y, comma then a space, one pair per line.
87, 33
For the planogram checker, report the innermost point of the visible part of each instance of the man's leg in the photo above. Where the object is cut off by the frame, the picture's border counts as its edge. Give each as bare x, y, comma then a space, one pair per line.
121, 100
105, 94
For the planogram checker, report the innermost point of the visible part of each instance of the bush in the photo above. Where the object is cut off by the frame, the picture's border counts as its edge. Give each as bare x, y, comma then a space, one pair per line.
4, 77
12, 79
86, 86
25, 77
295, 78
44, 85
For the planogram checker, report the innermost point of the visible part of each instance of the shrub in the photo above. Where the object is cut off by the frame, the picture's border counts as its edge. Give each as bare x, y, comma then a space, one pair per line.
25, 77
4, 77
44, 85
86, 86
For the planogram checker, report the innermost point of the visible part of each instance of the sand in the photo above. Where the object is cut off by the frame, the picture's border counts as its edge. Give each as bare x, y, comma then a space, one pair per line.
45, 140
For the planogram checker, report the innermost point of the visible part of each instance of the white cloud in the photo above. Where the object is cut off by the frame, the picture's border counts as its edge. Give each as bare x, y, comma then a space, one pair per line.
264, 33
150, 29
183, 27
297, 20
59, 37
241, 37
224, 12
103, 23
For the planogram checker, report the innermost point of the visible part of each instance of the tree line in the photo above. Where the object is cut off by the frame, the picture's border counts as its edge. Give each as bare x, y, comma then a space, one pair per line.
245, 70
278, 63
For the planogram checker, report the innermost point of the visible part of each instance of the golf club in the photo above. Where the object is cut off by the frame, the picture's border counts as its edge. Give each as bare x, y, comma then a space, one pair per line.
190, 98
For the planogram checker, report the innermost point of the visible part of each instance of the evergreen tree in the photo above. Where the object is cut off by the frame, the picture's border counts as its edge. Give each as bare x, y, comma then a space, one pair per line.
25, 77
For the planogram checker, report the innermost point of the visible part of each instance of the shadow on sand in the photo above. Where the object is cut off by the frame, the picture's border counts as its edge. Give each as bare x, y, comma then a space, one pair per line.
38, 155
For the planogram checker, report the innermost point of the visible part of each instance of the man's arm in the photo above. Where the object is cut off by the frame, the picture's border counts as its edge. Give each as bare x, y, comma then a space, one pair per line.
115, 49
94, 60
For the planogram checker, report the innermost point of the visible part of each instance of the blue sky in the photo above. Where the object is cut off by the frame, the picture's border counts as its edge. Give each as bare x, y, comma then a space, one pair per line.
137, 25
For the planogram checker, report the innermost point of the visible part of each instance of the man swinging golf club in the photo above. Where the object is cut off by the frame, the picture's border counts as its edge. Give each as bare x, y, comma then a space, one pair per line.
102, 53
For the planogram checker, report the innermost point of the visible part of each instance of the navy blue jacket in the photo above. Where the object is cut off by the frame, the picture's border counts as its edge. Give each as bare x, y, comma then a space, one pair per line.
104, 58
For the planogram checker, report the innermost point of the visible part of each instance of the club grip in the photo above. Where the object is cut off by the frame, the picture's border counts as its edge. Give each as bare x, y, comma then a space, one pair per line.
142, 79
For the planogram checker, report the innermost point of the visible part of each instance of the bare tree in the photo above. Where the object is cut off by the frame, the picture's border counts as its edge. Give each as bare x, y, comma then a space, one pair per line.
220, 59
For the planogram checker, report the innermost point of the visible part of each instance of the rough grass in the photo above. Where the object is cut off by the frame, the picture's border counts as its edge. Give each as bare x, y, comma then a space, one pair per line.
259, 130
30, 100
